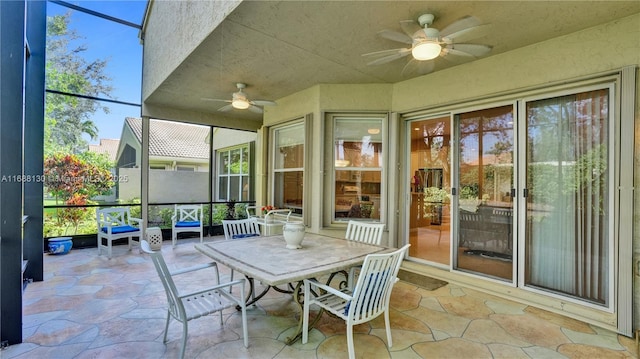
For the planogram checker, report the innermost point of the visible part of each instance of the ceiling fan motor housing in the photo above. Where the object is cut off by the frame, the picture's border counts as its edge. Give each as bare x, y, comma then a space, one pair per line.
426, 20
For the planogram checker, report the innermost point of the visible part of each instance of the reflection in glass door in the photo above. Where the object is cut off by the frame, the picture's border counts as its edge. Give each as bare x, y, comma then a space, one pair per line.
429, 210
485, 180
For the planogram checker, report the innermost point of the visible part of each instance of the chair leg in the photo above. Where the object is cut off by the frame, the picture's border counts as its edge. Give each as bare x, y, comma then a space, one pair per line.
388, 327
305, 314
352, 351
174, 238
166, 328
230, 288
185, 331
109, 248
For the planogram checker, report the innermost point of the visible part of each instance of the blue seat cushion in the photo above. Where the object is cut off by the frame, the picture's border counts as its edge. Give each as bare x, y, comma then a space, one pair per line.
188, 224
373, 279
244, 235
120, 229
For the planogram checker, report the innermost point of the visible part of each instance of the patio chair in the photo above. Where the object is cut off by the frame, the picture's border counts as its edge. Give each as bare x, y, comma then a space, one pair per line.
115, 223
368, 299
193, 305
240, 228
186, 218
366, 232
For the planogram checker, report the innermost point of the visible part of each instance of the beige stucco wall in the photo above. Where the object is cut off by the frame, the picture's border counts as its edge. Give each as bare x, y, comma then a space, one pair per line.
199, 17
585, 53
603, 48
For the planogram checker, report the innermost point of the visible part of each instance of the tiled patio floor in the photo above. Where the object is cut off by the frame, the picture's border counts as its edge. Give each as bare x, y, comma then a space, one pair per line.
92, 307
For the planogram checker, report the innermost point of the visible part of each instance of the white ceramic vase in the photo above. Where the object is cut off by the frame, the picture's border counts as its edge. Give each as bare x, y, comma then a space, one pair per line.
293, 233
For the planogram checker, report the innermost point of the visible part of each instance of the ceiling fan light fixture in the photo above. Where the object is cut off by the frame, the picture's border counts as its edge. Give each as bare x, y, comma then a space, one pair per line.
240, 104
240, 101
426, 50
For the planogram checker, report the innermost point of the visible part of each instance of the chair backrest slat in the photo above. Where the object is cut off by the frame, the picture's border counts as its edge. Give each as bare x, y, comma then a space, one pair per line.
240, 226
375, 283
366, 232
188, 212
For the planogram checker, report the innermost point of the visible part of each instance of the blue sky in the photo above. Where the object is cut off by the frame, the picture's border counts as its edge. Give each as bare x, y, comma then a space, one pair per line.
119, 44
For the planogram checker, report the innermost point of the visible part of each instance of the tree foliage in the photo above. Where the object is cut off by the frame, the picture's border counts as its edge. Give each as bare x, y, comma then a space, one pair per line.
68, 176
67, 118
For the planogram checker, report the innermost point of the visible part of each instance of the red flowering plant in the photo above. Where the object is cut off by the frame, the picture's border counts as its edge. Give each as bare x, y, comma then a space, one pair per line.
267, 208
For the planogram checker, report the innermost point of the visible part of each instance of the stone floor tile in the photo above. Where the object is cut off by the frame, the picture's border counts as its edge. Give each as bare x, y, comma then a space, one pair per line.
504, 351
541, 352
561, 320
452, 348
448, 323
505, 307
432, 303
532, 329
609, 341
587, 351
365, 346
466, 307
487, 331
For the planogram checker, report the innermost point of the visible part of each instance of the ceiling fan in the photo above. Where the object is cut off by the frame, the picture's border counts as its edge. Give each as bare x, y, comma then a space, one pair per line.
240, 101
428, 43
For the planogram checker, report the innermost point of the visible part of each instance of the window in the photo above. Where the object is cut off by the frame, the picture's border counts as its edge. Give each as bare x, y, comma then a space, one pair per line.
357, 168
288, 166
233, 174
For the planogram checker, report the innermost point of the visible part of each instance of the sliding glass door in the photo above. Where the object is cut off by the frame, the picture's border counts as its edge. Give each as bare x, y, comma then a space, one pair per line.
520, 192
568, 179
485, 178
429, 205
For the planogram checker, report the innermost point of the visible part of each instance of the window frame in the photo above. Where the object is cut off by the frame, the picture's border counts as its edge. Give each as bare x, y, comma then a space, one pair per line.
241, 175
329, 185
275, 170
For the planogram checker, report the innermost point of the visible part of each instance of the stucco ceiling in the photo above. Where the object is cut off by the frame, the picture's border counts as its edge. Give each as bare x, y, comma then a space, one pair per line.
281, 47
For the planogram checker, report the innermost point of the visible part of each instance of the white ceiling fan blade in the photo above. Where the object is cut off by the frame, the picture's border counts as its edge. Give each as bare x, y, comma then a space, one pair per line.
409, 27
459, 25
255, 109
396, 36
414, 67
214, 99
393, 55
225, 108
263, 103
469, 50
467, 34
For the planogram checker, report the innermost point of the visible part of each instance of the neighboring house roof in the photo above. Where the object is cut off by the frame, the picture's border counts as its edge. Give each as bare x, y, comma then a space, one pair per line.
108, 146
173, 139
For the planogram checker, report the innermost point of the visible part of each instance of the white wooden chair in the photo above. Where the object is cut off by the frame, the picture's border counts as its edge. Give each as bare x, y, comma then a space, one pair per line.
368, 299
366, 232
240, 228
187, 306
186, 218
115, 223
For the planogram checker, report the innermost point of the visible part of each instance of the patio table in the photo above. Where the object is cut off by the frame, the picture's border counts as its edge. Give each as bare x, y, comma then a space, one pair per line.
266, 259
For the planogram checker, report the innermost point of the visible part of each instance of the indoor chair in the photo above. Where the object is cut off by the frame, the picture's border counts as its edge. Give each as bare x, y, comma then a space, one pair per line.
115, 223
184, 307
368, 299
186, 218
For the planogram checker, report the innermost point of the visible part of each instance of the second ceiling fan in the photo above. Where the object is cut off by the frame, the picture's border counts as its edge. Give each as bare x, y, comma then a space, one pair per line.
240, 101
428, 43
